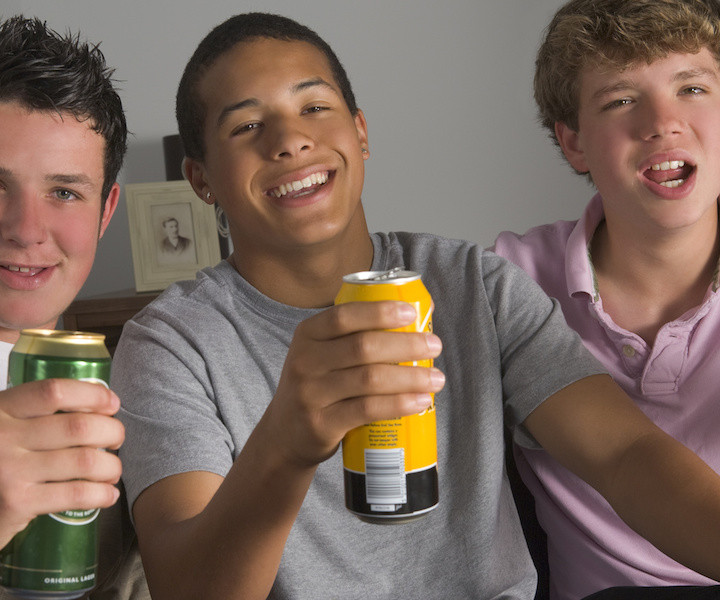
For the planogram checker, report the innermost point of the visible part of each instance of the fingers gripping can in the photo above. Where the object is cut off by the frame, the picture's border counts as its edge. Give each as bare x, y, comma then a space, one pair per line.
55, 556
390, 467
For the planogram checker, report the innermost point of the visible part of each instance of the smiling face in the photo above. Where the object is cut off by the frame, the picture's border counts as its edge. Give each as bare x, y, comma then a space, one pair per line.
650, 137
283, 152
51, 176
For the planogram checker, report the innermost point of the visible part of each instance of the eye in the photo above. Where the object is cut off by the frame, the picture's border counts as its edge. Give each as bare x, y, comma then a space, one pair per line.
693, 90
246, 127
315, 109
65, 195
617, 103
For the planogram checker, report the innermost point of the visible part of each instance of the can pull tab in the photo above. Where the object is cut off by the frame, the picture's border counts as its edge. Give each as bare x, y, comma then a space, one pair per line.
389, 274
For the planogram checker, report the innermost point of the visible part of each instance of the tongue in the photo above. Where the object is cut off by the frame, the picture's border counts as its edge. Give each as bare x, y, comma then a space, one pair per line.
301, 192
669, 175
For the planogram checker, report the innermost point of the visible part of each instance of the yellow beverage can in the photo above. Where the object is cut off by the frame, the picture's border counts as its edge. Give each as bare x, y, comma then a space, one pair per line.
390, 467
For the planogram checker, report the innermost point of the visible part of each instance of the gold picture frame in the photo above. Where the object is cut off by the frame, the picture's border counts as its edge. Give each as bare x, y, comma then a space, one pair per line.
173, 234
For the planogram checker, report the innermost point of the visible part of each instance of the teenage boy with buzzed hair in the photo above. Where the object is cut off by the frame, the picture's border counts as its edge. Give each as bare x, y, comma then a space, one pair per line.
630, 90
62, 142
238, 386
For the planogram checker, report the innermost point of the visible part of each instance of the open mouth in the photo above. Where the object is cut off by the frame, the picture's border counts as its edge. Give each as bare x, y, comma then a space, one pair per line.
301, 187
29, 271
670, 174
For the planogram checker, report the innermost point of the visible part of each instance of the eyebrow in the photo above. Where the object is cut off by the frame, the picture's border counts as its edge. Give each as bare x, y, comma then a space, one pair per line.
70, 179
58, 178
625, 84
692, 73
254, 102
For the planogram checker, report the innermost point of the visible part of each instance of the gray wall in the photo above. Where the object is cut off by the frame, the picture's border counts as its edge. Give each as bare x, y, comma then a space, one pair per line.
445, 86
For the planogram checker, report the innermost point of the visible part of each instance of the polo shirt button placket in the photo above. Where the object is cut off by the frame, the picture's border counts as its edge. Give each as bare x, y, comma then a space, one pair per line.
628, 351
662, 374
632, 357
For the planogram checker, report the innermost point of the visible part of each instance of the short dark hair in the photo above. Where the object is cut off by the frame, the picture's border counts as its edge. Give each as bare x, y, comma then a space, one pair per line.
189, 108
42, 70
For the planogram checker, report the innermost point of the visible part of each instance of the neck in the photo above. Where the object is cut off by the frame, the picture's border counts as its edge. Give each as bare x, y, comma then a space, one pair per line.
653, 261
307, 276
646, 281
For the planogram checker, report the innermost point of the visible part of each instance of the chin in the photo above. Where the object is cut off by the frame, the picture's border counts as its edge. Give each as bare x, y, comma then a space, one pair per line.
28, 317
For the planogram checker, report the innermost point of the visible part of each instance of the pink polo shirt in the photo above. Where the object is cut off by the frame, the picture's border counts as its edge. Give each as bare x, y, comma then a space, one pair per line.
676, 383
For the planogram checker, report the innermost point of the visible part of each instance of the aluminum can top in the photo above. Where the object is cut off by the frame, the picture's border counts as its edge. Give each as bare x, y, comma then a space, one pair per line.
395, 275
56, 342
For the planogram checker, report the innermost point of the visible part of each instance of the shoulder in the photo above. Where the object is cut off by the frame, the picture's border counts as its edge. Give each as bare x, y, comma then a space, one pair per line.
184, 304
542, 252
539, 244
428, 249
453, 268
447, 255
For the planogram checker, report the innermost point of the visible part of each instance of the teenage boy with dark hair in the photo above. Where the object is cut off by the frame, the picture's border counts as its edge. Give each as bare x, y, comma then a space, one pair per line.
62, 141
238, 387
630, 90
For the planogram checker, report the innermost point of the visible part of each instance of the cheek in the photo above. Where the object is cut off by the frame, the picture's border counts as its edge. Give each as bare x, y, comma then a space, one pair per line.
710, 128
228, 178
78, 240
603, 152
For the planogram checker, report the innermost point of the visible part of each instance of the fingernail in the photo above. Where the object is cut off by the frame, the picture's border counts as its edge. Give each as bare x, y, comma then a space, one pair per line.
406, 311
437, 378
423, 401
434, 343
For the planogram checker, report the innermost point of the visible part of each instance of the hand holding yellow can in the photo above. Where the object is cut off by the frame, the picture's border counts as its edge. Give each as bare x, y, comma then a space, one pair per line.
390, 467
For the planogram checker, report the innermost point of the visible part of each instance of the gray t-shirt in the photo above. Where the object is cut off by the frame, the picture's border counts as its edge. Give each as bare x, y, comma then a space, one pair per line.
197, 368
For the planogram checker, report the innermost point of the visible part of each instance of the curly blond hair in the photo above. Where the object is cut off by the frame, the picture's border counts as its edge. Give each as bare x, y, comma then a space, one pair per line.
615, 34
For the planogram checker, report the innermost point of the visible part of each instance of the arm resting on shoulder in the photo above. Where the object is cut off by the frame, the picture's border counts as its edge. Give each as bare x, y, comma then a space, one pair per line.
656, 485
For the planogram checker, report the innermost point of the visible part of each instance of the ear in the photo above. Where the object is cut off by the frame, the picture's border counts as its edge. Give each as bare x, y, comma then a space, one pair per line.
569, 141
194, 172
361, 126
111, 203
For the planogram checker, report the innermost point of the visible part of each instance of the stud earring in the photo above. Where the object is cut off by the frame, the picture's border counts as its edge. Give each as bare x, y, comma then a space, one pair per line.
208, 195
364, 150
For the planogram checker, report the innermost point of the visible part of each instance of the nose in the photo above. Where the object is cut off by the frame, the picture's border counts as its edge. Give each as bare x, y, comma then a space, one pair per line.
287, 139
21, 219
660, 119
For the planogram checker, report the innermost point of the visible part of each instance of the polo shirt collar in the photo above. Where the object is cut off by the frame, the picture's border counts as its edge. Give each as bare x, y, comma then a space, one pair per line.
579, 269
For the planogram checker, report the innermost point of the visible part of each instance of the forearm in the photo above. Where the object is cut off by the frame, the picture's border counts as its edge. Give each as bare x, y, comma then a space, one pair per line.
672, 498
232, 548
654, 483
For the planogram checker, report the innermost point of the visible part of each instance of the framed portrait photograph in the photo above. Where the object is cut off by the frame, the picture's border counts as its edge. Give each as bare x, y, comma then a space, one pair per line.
173, 234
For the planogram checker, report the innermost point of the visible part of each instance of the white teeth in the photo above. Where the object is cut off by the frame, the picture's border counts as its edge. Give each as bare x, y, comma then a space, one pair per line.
18, 269
673, 184
296, 186
668, 164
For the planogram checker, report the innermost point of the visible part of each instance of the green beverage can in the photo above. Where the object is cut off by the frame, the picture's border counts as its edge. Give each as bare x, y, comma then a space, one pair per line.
55, 556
